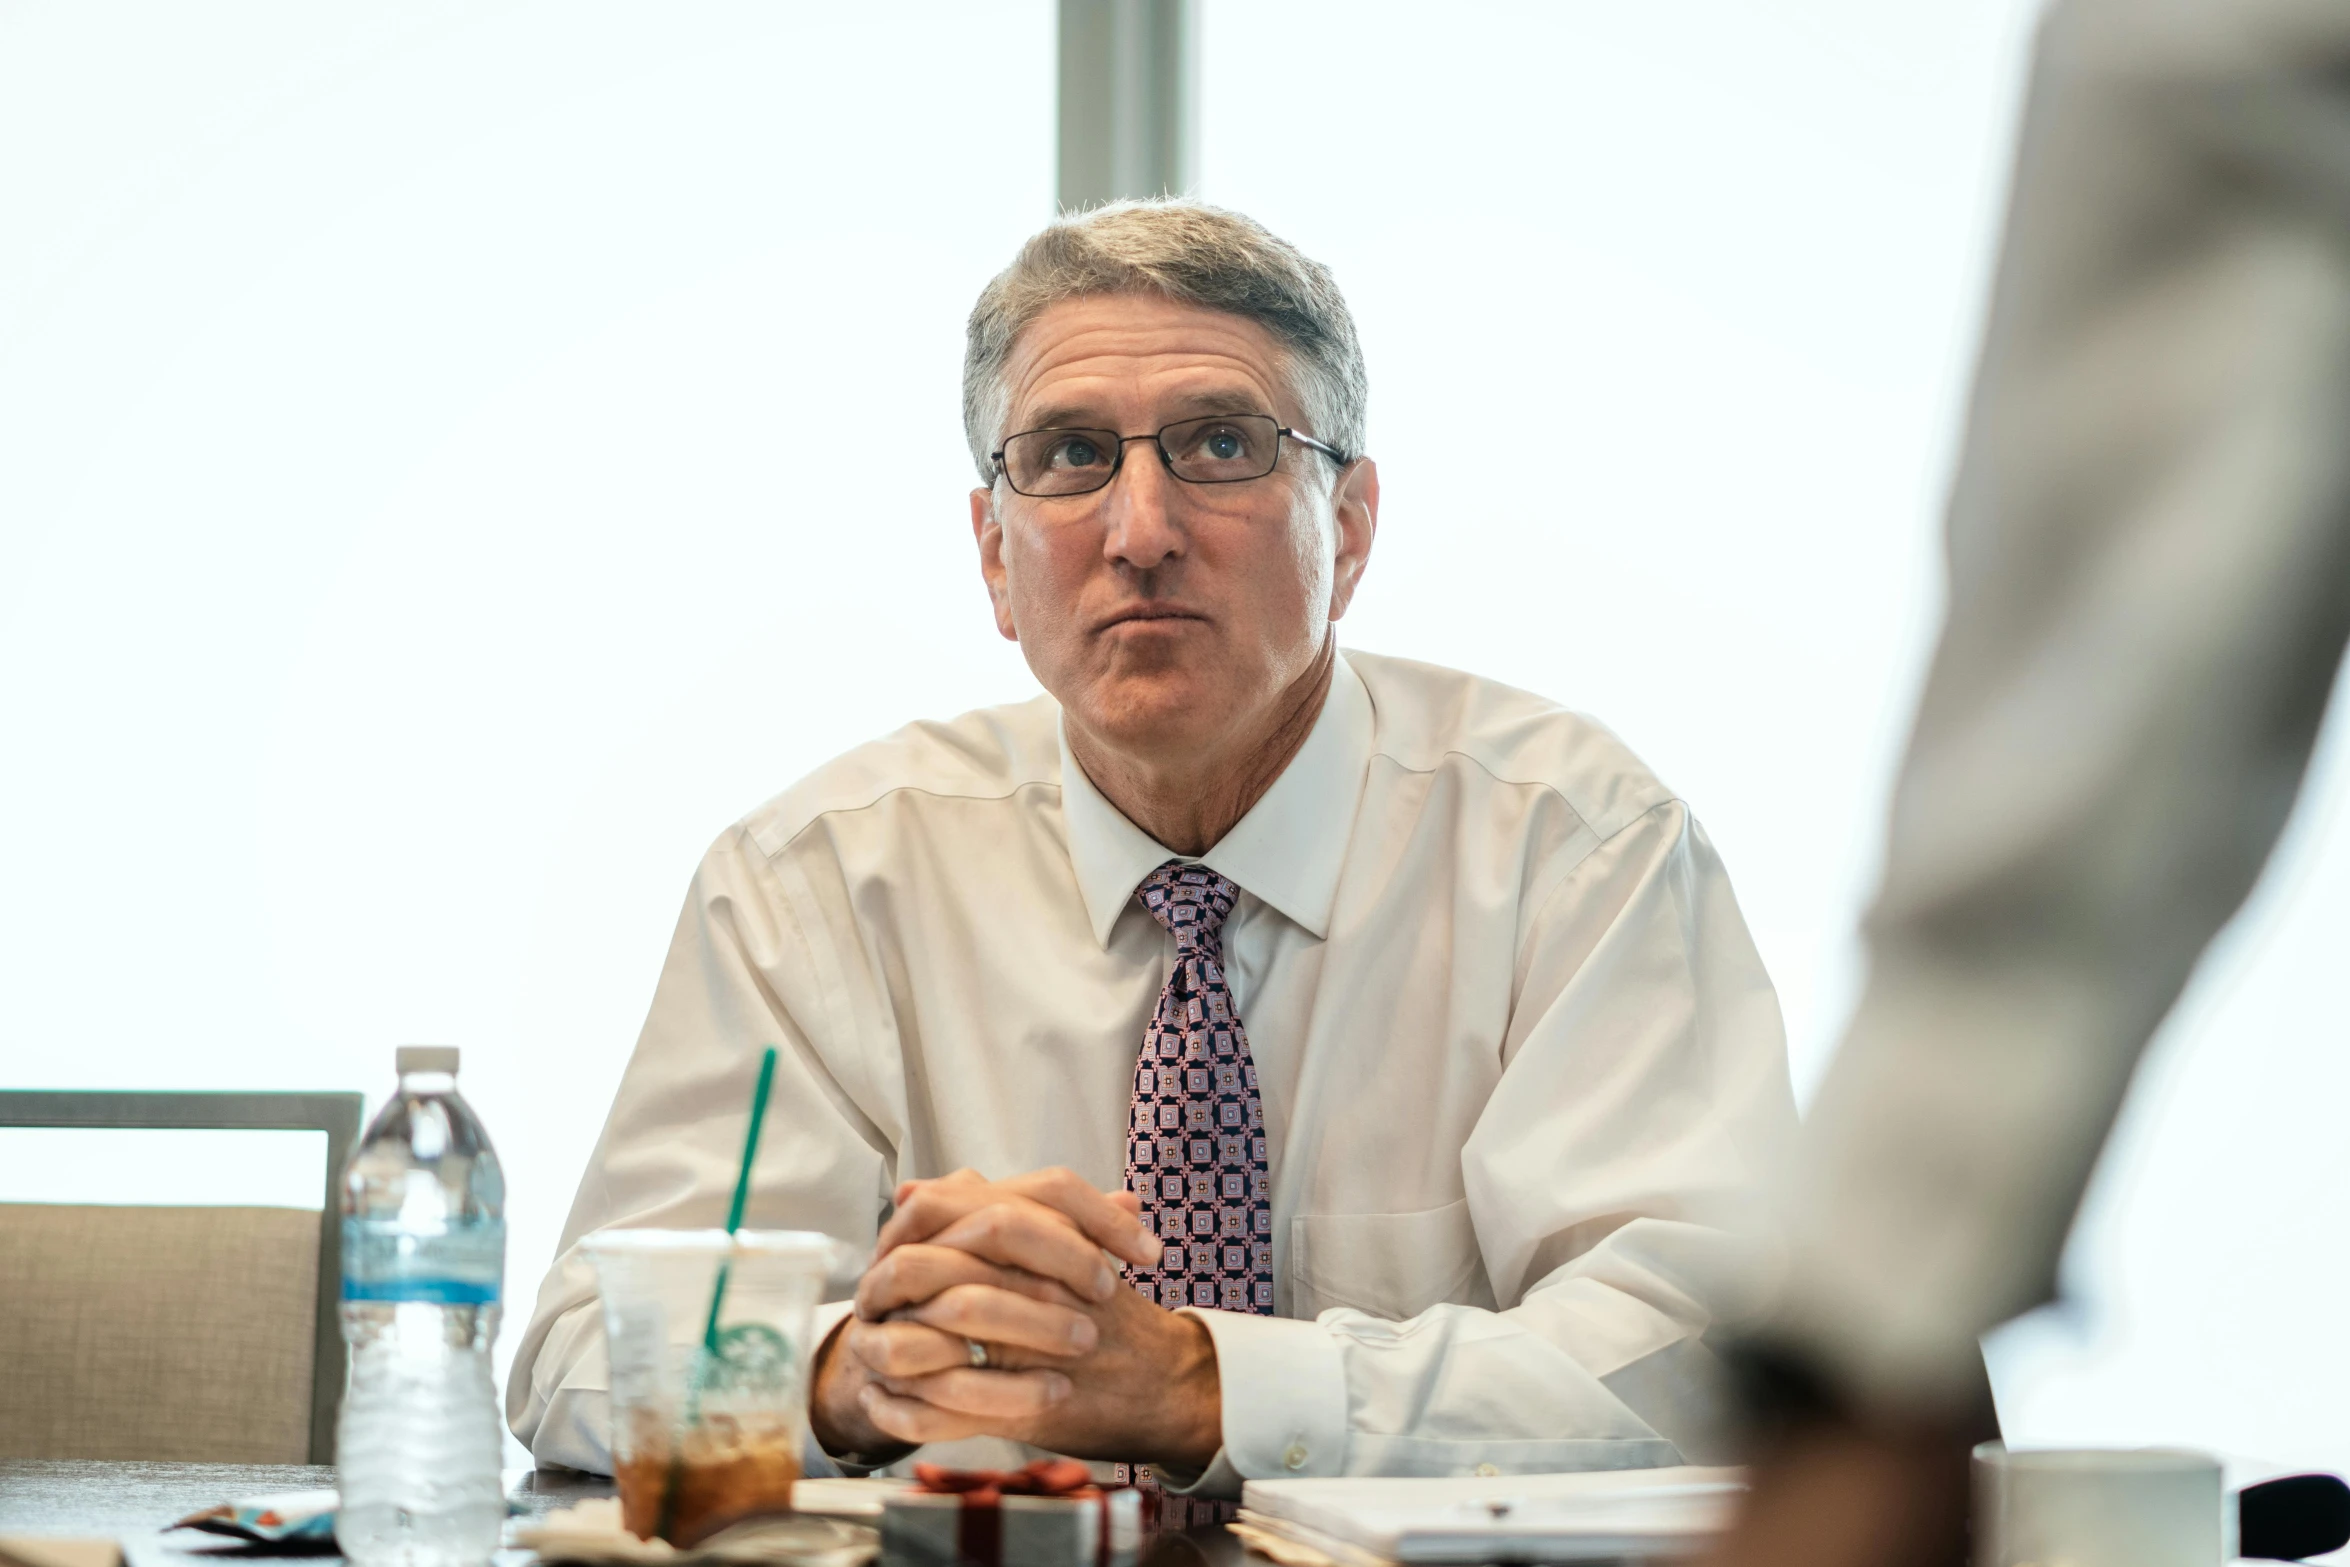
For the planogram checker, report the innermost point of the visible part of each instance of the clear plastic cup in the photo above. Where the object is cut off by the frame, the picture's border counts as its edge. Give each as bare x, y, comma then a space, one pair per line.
701, 1440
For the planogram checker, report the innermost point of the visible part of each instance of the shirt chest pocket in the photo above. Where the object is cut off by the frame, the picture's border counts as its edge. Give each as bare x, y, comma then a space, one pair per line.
1391, 1265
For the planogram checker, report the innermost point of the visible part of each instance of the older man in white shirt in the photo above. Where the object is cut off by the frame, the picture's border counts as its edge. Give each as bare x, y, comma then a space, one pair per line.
1396, 1031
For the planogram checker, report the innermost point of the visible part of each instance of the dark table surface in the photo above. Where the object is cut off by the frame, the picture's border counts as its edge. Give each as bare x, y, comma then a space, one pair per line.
134, 1502
110, 1497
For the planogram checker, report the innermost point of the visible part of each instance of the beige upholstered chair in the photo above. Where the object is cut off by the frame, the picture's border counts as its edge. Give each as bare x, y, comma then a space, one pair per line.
173, 1333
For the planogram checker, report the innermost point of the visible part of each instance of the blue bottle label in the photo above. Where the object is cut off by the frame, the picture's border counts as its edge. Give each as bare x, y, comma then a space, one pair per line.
456, 1265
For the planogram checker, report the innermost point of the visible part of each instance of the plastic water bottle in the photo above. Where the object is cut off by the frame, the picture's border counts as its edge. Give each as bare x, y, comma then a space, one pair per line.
424, 1259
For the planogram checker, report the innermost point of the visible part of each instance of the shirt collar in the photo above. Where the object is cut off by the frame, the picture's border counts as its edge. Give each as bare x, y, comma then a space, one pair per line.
1287, 850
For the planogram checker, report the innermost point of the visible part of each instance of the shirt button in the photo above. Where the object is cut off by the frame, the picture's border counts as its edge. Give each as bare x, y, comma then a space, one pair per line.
1488, 1470
1295, 1458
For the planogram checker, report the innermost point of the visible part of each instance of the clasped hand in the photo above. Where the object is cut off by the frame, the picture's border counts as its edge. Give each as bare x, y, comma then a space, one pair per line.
1077, 1362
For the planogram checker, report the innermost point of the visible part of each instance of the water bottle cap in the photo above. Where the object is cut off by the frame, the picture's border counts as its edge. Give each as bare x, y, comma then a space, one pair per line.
428, 1058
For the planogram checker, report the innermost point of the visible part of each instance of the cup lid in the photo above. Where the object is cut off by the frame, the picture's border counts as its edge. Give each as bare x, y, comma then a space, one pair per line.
812, 1245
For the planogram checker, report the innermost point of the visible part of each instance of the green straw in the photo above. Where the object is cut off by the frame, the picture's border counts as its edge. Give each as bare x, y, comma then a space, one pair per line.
734, 1222
742, 1191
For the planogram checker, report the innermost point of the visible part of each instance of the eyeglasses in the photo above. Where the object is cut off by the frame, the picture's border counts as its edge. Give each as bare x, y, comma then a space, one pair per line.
1219, 449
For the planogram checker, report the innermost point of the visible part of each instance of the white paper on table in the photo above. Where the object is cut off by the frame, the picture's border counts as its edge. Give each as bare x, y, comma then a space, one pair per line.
844, 1496
1590, 1515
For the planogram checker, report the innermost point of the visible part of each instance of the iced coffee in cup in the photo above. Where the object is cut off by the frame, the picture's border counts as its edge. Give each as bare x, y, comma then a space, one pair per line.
709, 1406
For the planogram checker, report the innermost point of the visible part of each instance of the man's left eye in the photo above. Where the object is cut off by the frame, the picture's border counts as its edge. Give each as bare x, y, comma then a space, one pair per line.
1225, 444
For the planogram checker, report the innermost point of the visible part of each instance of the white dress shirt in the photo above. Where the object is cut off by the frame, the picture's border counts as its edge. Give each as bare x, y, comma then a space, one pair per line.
2149, 596
1522, 1069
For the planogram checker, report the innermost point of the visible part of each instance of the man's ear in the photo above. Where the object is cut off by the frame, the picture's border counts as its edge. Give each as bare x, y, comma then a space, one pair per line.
988, 531
1354, 501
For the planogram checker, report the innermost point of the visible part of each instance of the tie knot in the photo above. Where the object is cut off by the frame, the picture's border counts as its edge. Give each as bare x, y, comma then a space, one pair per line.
1190, 900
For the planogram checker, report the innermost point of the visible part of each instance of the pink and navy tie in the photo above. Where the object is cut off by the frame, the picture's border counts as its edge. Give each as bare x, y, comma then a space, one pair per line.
1195, 1135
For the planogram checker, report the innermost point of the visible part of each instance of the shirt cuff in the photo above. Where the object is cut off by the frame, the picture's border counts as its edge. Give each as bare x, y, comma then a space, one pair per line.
1219, 1482
1283, 1384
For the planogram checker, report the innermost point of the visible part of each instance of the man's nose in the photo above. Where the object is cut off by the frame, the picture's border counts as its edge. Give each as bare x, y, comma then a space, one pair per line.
1139, 527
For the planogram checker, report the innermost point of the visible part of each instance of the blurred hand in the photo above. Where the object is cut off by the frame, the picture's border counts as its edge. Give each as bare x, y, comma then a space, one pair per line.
1077, 1362
1833, 1495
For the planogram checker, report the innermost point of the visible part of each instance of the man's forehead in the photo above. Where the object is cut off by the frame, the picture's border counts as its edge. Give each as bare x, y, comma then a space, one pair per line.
1108, 349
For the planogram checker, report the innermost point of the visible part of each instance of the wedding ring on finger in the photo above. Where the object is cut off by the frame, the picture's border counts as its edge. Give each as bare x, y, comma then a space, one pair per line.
979, 1360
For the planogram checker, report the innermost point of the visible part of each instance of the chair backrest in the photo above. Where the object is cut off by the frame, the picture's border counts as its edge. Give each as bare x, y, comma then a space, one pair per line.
174, 1333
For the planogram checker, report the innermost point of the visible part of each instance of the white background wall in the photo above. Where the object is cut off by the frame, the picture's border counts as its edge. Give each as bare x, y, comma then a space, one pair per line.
454, 459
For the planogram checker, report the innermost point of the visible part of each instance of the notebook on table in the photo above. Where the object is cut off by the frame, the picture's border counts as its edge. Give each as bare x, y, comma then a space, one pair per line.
1588, 1516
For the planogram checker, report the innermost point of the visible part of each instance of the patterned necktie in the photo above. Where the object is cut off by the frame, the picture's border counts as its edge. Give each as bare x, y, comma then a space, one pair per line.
1195, 1135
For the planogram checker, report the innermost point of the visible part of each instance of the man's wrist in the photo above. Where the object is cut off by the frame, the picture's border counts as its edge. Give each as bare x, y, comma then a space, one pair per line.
1195, 1425
835, 1416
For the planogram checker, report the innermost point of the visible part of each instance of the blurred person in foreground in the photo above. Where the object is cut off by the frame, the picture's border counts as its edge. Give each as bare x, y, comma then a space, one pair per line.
2149, 593
1398, 1032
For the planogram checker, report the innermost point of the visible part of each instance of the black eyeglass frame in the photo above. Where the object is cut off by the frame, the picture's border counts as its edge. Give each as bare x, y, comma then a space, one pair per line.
1157, 438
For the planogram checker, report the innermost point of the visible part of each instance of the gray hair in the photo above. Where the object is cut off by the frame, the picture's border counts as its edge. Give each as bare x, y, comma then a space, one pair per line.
1187, 251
